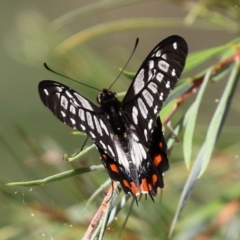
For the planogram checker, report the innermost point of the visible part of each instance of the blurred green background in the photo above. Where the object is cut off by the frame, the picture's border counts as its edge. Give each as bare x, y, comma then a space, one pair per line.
33, 141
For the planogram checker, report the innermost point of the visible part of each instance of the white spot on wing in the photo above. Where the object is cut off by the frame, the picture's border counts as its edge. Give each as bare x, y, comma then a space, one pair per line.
46, 91
81, 114
68, 94
135, 115
89, 120
159, 77
142, 150
175, 45
153, 87
72, 109
135, 137
92, 134
158, 53
64, 102
145, 134
121, 156
97, 125
103, 145
161, 96
173, 72
148, 97
142, 108
139, 83
111, 151
168, 84
104, 127
150, 75
156, 109
150, 124
63, 114
164, 56
151, 64
84, 102
83, 127
73, 121
164, 66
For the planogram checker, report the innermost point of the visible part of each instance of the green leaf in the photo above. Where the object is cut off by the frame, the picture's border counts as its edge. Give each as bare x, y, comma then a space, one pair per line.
191, 116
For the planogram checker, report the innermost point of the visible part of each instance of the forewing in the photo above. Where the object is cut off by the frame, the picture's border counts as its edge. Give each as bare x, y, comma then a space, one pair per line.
77, 112
153, 82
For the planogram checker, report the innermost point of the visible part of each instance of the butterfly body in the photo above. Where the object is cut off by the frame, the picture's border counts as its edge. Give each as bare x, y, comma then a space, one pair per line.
127, 134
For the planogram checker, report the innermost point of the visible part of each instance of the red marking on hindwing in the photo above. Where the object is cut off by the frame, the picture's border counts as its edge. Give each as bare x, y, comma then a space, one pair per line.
154, 179
157, 158
144, 186
104, 156
114, 167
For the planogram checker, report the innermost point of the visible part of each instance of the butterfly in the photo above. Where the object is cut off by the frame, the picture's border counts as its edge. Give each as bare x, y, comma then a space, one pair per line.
127, 134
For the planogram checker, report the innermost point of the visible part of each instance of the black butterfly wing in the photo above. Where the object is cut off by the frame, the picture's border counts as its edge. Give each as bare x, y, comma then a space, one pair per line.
153, 82
77, 112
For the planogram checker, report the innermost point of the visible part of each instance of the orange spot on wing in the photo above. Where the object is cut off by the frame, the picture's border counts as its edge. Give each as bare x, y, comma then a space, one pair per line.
144, 185
134, 188
157, 159
114, 167
160, 145
154, 179
126, 184
131, 186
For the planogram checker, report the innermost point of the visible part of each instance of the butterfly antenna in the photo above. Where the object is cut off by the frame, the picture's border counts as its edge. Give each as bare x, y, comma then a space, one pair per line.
135, 46
59, 74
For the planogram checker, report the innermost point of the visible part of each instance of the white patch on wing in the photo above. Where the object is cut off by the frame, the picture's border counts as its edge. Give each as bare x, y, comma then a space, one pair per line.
151, 64
81, 114
139, 83
63, 114
83, 127
153, 87
137, 153
142, 150
121, 156
168, 84
158, 53
73, 121
150, 124
64, 102
145, 134
46, 91
72, 109
161, 96
59, 89
135, 115
163, 65
103, 145
150, 75
159, 77
104, 127
92, 134
148, 97
164, 56
68, 94
155, 109
135, 137
175, 45
84, 102
173, 72
142, 108
111, 151
89, 120
99, 130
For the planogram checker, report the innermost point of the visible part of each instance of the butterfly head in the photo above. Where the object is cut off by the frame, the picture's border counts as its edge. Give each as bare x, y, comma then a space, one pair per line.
105, 97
